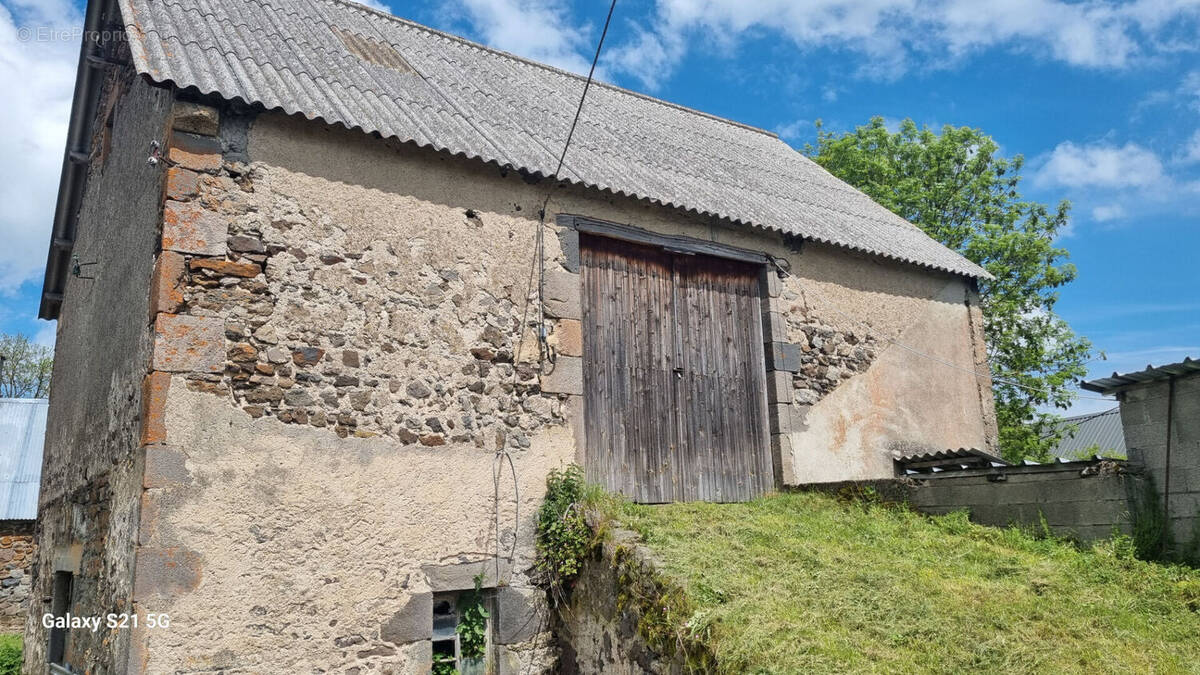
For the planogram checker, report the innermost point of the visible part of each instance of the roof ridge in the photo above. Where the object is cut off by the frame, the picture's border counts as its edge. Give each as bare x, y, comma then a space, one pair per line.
1088, 416
553, 69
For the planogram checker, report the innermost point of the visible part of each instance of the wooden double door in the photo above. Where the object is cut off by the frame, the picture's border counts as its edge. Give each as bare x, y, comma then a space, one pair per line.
674, 377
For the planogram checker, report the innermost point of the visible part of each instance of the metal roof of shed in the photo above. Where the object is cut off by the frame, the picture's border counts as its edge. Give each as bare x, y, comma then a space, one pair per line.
343, 63
1108, 385
22, 434
1101, 430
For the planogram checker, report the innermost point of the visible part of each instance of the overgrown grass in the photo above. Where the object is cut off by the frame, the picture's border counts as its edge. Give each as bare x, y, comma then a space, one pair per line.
10, 654
806, 583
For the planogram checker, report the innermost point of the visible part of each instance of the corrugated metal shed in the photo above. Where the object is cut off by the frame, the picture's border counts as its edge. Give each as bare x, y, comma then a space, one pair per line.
1109, 385
22, 433
346, 64
1102, 430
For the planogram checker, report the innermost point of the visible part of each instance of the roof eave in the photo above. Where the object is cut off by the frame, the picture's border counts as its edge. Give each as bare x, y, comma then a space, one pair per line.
76, 155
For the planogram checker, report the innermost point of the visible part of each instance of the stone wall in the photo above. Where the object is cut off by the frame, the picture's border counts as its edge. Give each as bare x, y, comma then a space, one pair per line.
17, 552
864, 345
1144, 418
334, 370
343, 341
339, 349
92, 473
598, 625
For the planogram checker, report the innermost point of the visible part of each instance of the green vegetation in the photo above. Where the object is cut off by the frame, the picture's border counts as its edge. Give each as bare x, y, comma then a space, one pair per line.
957, 187
10, 654
563, 536
24, 367
472, 622
808, 583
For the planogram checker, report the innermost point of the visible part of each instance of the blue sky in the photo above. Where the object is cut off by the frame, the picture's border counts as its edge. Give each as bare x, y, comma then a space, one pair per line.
1102, 99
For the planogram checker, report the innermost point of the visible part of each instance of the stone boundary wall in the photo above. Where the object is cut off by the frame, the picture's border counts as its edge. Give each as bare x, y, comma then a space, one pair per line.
17, 551
598, 626
1085, 501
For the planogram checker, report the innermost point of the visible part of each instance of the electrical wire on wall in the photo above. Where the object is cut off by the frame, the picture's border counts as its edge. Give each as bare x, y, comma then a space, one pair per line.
972, 371
545, 353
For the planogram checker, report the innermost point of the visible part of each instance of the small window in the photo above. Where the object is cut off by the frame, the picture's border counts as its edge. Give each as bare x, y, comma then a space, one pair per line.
60, 596
457, 648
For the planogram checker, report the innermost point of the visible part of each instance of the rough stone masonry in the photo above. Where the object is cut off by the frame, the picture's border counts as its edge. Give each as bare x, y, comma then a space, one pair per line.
329, 340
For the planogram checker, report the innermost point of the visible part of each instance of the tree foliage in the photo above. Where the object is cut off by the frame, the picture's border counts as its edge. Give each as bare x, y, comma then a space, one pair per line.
957, 187
24, 367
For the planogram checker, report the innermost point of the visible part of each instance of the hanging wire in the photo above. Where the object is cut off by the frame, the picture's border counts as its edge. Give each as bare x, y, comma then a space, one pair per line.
829, 305
545, 353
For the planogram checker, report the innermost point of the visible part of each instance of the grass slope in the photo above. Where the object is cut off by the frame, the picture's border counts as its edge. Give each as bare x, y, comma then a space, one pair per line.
807, 583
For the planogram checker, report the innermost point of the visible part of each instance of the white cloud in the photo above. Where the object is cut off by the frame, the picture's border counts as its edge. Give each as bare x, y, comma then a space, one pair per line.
38, 72
1100, 165
795, 130
47, 334
892, 35
1191, 150
535, 29
1107, 212
649, 56
375, 4
1189, 89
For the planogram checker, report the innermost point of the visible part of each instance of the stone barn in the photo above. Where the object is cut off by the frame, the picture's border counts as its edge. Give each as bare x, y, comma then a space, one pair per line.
327, 319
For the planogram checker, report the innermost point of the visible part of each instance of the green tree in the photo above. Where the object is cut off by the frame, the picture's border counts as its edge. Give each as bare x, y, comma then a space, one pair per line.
24, 367
956, 187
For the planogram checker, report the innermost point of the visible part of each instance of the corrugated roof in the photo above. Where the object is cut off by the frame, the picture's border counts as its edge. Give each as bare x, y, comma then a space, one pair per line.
1108, 385
926, 464
1101, 430
22, 433
951, 459
346, 64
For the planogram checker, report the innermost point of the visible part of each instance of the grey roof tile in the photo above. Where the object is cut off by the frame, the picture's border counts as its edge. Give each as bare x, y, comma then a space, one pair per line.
469, 100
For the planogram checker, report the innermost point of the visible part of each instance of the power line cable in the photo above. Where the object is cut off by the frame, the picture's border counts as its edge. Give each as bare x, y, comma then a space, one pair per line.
539, 264
543, 347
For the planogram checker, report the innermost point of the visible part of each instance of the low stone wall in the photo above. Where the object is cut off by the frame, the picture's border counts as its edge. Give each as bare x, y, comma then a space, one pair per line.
599, 627
17, 550
1085, 501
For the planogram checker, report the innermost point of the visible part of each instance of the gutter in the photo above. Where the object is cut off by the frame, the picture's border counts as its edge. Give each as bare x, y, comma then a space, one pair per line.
76, 158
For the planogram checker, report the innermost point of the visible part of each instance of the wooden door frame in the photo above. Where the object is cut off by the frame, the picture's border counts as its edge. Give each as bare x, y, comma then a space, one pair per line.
777, 394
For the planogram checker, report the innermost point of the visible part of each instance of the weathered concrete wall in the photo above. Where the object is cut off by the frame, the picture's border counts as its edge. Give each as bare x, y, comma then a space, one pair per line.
91, 473
17, 552
1085, 501
1144, 418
